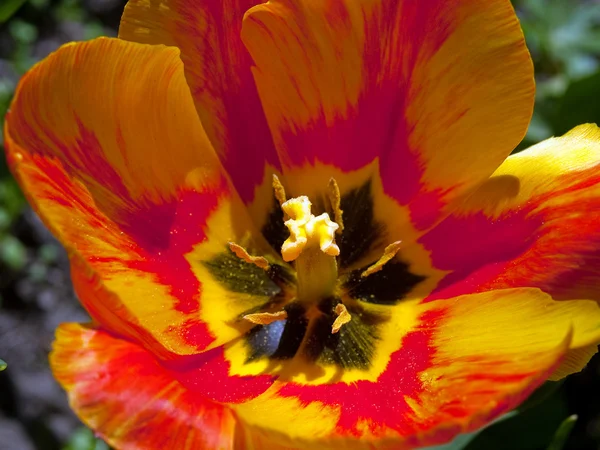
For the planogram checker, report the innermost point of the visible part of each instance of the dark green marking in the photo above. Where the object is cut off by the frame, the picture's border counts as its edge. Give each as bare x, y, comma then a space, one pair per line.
361, 231
239, 276
281, 339
353, 347
281, 274
293, 332
386, 287
274, 231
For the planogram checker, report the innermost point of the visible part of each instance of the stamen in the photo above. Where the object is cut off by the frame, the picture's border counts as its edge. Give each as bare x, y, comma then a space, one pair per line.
343, 317
279, 190
335, 199
243, 254
266, 318
389, 252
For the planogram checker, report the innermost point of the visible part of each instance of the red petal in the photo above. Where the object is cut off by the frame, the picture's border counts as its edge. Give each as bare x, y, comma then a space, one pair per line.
125, 396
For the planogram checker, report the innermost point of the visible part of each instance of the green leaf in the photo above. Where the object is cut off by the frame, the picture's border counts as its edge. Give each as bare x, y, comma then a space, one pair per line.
562, 434
8, 8
3, 365
528, 428
528, 424
461, 441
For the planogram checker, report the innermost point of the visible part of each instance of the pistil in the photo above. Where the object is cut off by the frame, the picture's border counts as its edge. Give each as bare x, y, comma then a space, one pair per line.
312, 246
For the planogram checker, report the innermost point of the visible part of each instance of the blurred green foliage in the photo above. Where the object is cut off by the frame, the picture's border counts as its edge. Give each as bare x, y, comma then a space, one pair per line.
84, 439
564, 40
562, 434
532, 426
8, 8
29, 30
23, 31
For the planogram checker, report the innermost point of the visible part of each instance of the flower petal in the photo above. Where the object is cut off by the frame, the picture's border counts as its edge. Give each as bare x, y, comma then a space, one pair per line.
535, 222
438, 92
468, 360
106, 143
540, 210
575, 361
526, 214
217, 69
127, 398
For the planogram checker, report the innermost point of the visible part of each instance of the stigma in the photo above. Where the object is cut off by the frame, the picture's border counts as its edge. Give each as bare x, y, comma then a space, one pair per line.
307, 231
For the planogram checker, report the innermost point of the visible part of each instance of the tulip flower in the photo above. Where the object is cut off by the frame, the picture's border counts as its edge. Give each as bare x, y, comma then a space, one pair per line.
296, 224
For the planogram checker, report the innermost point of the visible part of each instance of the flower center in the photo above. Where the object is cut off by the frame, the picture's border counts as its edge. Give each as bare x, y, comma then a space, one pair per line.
329, 303
311, 247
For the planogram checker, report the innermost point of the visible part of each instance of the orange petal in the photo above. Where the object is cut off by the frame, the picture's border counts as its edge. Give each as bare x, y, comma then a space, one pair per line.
122, 393
106, 143
466, 361
438, 92
217, 69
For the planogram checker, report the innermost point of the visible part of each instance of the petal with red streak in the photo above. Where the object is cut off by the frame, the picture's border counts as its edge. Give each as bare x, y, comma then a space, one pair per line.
106, 143
467, 361
438, 92
535, 222
127, 398
217, 69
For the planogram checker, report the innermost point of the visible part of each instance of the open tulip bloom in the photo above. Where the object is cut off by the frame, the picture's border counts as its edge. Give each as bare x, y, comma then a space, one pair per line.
297, 225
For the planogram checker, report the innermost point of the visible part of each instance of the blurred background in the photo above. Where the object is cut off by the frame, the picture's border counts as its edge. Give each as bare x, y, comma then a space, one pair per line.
35, 289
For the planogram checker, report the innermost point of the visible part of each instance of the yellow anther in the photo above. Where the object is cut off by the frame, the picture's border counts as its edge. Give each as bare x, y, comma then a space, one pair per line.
279, 190
265, 318
243, 254
389, 252
335, 200
306, 230
343, 317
